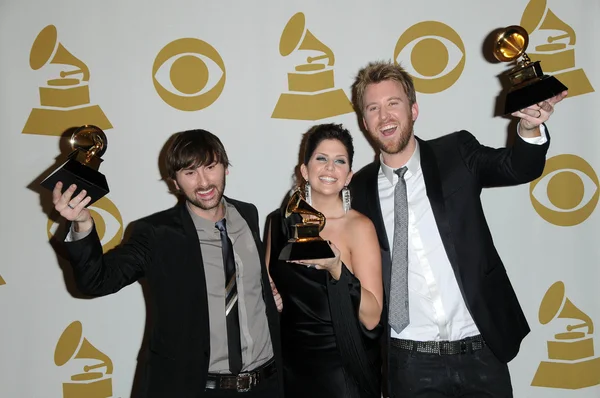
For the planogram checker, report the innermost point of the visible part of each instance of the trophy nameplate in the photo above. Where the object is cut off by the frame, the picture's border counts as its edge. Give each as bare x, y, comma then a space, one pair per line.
305, 243
81, 167
528, 83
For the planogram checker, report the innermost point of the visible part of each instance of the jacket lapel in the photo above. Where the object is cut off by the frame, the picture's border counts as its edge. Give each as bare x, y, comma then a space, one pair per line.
191, 236
433, 185
373, 205
195, 272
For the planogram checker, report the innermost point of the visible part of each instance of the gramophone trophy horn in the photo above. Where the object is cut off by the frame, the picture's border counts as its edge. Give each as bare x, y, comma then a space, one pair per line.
528, 83
73, 345
45, 45
533, 18
81, 167
291, 38
305, 243
555, 304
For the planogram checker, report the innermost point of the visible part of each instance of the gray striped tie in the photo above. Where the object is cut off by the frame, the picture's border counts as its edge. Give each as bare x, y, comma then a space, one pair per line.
398, 312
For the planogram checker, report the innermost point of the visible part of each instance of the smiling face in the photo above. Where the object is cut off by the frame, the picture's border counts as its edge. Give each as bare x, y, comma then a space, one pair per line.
328, 169
388, 116
202, 186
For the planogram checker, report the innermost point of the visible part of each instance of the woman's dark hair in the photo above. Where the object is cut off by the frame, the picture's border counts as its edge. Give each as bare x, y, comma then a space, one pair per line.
328, 131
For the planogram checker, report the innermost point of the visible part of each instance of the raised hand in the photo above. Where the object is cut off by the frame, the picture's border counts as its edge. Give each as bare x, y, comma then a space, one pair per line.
72, 208
536, 114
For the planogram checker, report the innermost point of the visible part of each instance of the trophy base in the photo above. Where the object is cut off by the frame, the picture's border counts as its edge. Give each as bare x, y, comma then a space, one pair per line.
54, 122
310, 250
73, 172
529, 94
95, 389
571, 376
312, 106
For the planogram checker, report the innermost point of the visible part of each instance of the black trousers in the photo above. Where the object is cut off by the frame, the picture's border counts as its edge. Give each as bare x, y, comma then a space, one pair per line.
472, 374
268, 388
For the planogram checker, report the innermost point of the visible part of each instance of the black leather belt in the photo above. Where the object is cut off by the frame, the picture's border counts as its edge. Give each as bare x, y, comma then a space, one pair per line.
243, 382
463, 346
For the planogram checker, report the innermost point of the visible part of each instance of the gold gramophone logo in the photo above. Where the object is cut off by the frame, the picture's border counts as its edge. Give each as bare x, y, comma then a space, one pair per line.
311, 88
567, 192
572, 363
557, 53
91, 383
65, 101
430, 56
191, 85
108, 222
2, 281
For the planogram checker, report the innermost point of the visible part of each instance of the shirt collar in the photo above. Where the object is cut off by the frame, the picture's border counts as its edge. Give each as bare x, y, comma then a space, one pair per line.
202, 223
413, 165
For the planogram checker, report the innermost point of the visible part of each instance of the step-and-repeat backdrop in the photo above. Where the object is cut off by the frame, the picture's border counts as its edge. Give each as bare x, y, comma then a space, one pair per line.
259, 74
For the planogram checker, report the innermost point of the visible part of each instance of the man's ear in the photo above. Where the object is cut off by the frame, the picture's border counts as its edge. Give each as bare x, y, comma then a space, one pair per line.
173, 182
415, 111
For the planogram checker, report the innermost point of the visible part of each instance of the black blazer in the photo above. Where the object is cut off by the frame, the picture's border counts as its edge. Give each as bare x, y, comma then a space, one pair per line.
164, 248
455, 168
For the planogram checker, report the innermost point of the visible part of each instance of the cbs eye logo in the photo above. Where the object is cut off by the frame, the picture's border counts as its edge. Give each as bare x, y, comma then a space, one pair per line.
567, 192
186, 64
428, 46
108, 222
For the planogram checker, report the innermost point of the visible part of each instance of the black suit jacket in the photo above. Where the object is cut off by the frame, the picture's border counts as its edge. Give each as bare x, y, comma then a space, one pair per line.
455, 168
164, 248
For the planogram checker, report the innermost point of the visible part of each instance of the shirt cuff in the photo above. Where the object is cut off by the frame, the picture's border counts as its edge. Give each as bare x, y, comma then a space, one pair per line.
541, 140
73, 235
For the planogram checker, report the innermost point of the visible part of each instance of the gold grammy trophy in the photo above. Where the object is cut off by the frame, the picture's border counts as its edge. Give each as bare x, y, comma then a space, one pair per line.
72, 345
571, 363
81, 167
312, 95
529, 85
305, 243
557, 54
65, 101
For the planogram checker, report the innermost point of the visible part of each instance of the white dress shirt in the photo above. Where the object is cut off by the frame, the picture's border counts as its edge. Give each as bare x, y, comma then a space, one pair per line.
437, 308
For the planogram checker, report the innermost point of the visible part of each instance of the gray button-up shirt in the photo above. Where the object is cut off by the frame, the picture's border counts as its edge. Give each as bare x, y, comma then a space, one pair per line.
255, 336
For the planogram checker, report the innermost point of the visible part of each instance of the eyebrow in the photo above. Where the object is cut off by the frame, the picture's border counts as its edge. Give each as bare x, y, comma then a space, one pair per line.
335, 156
387, 99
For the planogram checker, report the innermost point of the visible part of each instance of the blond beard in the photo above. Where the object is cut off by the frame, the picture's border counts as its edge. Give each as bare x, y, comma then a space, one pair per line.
398, 146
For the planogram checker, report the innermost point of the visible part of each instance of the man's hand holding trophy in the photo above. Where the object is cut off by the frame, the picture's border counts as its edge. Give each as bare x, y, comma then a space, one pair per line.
89, 143
77, 183
528, 83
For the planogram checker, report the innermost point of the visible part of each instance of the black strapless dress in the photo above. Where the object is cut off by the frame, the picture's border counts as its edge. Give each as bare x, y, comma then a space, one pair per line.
327, 352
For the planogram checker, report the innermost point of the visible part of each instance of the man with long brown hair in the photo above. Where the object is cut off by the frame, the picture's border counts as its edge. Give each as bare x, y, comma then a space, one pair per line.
215, 330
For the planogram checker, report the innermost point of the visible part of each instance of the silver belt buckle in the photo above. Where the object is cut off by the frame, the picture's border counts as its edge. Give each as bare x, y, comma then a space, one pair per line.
245, 382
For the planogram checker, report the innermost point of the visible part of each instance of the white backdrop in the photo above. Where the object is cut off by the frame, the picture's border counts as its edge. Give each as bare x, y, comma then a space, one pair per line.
228, 81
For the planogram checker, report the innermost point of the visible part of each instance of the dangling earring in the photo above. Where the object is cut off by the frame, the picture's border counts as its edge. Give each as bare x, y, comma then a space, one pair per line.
346, 199
307, 192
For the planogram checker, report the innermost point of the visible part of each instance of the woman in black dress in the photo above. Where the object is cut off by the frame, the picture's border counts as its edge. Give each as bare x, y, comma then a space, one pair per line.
330, 320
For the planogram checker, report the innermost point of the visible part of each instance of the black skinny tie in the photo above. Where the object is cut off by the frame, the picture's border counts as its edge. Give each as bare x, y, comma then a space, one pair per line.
231, 301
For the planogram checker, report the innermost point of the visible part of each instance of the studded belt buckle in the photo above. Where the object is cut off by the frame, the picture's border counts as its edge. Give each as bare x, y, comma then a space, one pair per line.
245, 382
